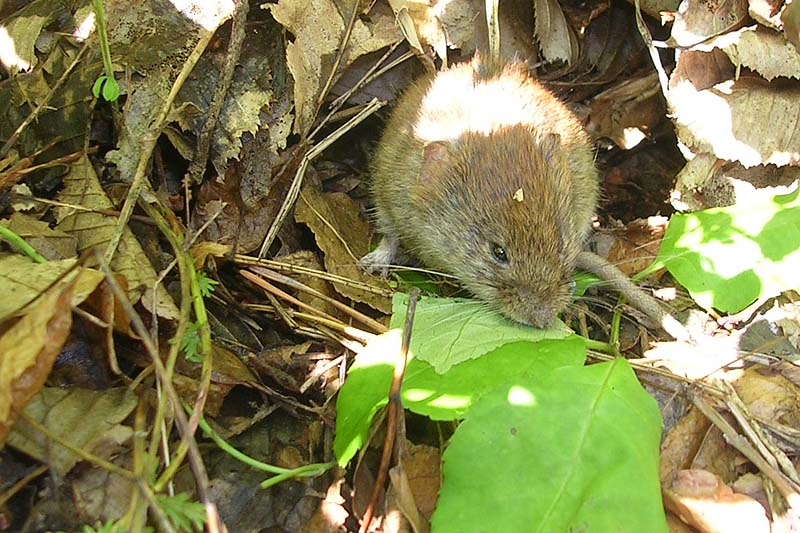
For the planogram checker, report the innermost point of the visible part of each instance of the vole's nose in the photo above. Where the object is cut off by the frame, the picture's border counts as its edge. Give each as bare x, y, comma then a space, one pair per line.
537, 312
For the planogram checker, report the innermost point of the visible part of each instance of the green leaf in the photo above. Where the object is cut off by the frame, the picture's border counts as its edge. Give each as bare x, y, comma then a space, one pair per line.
106, 86
574, 450
449, 396
729, 257
190, 342
448, 331
206, 284
440, 396
363, 394
184, 514
111, 90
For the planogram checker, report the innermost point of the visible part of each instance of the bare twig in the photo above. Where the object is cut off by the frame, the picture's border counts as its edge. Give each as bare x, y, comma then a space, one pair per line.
394, 411
198, 164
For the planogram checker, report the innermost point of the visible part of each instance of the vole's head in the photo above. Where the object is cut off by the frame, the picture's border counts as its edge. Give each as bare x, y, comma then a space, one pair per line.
500, 217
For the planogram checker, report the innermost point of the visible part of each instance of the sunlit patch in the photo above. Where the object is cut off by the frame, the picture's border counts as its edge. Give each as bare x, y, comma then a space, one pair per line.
8, 54
440, 401
456, 104
209, 14
521, 396
631, 137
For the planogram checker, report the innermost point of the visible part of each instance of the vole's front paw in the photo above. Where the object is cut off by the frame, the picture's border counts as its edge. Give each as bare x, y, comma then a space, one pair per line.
379, 260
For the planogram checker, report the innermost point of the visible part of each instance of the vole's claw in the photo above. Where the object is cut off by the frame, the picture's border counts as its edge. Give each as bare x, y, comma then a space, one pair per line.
379, 260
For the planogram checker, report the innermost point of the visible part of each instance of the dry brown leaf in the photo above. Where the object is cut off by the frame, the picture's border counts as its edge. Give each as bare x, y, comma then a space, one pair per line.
100, 494
422, 465
22, 280
344, 239
746, 120
28, 350
697, 21
681, 444
633, 248
627, 112
556, 38
703, 500
82, 187
761, 50
318, 27
769, 396
51, 244
442, 24
331, 514
87, 419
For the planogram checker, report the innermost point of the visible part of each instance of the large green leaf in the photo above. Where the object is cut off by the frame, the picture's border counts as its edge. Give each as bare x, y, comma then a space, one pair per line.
440, 396
444, 330
574, 450
729, 257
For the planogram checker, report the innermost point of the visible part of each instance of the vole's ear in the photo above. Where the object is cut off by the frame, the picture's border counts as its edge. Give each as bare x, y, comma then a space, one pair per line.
550, 144
434, 156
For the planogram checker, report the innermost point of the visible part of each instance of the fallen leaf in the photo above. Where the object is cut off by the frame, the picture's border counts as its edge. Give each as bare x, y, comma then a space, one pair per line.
761, 50
556, 37
699, 20
87, 419
22, 280
734, 119
28, 350
51, 244
318, 27
344, 239
93, 229
703, 500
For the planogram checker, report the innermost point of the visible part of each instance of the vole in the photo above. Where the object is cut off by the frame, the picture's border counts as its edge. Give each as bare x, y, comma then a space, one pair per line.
483, 173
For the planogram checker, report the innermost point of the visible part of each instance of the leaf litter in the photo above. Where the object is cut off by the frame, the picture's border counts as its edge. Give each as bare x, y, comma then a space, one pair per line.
257, 321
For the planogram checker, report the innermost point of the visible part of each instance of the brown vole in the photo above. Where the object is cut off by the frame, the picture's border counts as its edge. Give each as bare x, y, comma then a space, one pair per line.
483, 173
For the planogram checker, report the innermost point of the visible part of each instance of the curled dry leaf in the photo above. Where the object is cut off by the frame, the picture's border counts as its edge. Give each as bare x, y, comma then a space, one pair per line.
696, 21
556, 37
703, 500
28, 350
318, 27
733, 119
344, 239
440, 24
627, 112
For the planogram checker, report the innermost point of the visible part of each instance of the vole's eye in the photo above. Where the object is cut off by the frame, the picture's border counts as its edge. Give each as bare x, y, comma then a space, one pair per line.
499, 253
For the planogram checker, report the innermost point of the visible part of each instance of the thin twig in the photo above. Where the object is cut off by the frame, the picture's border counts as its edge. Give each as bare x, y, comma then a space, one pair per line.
394, 411
294, 284
198, 164
148, 144
310, 155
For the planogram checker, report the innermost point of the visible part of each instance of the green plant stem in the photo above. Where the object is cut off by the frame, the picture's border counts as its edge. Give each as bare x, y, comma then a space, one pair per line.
97, 5
18, 242
282, 474
603, 347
